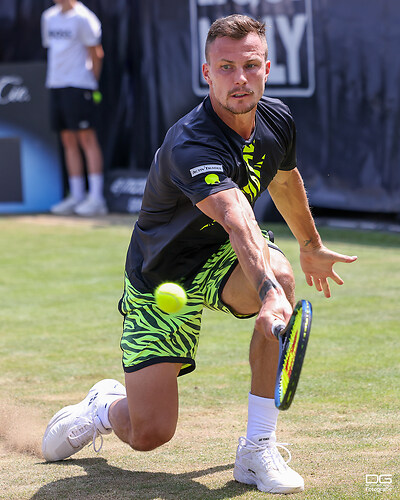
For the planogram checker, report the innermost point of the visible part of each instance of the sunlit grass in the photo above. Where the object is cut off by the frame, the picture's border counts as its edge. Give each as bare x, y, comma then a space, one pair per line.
60, 332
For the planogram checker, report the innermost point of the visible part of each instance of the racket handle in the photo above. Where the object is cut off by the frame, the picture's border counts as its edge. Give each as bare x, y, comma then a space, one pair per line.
277, 328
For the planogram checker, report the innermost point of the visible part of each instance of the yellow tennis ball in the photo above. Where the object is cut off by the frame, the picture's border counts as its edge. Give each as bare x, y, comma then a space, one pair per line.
170, 297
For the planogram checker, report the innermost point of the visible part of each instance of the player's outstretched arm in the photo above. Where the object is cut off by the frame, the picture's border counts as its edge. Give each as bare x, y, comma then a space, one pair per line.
231, 209
288, 193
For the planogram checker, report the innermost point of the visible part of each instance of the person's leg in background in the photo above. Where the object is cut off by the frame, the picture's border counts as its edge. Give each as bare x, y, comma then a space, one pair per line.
94, 204
75, 171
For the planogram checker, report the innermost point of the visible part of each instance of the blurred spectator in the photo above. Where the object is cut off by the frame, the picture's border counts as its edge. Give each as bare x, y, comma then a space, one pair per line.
72, 35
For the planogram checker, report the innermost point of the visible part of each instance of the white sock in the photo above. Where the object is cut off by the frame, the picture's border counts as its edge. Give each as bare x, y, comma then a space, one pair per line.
262, 416
104, 407
96, 183
77, 187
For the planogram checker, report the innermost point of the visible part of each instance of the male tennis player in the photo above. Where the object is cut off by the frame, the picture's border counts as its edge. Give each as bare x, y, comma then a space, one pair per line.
197, 227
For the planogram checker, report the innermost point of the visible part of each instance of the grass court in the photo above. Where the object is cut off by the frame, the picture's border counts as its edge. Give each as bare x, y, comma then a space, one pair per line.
60, 281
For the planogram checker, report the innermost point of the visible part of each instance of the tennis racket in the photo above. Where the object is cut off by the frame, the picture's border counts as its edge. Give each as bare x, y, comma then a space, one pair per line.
293, 340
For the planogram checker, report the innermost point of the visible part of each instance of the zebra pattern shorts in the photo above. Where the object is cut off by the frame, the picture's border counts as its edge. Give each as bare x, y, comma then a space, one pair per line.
151, 336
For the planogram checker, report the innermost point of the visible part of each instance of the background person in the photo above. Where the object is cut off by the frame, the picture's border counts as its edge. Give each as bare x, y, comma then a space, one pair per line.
197, 227
72, 35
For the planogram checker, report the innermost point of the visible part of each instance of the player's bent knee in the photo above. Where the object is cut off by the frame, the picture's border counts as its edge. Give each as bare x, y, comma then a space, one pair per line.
150, 438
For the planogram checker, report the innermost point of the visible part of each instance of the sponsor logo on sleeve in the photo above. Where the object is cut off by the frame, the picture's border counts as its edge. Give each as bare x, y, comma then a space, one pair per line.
202, 169
212, 179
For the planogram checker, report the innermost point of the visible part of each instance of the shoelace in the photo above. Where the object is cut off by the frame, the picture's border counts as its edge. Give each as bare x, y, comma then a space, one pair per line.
270, 453
80, 435
277, 459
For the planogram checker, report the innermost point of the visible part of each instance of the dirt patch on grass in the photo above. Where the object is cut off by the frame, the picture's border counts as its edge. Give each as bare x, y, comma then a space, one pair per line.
21, 428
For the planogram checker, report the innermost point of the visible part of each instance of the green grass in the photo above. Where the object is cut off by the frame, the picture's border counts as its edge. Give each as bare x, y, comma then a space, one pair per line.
59, 333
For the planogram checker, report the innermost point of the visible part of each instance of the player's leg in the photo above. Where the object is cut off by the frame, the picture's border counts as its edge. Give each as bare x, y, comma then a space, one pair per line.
156, 348
264, 351
144, 415
241, 296
258, 460
147, 418
75, 426
227, 288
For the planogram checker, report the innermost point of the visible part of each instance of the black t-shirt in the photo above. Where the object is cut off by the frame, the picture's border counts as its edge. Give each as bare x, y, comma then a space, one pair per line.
200, 156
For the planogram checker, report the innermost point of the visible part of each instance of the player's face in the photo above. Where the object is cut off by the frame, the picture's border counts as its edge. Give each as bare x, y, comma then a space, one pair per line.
236, 73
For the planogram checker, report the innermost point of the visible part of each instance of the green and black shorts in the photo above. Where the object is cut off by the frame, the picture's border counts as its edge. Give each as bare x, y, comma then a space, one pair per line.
151, 336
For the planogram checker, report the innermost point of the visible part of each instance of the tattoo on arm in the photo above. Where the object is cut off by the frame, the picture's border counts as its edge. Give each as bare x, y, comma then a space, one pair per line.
265, 287
307, 242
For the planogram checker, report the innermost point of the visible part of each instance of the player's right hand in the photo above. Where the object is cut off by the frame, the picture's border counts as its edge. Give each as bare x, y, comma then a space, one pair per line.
275, 306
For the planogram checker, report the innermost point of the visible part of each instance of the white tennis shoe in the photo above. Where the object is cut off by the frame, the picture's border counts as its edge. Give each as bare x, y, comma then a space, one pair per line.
259, 462
90, 207
75, 426
66, 206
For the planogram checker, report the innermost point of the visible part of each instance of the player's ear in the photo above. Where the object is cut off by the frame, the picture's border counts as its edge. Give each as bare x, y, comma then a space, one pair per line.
206, 72
267, 70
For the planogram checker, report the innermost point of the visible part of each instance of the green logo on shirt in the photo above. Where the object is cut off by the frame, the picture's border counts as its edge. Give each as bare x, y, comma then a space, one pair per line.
253, 187
212, 179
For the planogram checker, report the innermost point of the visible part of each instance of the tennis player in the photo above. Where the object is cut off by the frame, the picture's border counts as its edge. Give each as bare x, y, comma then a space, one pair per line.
197, 227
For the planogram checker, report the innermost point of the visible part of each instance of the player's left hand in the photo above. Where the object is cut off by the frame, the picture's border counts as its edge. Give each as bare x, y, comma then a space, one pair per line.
317, 264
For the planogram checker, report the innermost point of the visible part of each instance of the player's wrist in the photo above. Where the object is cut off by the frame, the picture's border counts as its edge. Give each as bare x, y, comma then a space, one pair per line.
310, 244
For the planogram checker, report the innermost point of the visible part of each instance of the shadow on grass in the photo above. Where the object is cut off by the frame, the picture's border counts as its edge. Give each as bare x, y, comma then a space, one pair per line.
103, 481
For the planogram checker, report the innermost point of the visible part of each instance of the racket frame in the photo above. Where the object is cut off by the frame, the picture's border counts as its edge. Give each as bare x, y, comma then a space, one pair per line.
302, 314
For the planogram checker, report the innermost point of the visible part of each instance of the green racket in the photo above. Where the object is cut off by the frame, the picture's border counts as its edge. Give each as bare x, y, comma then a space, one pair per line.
293, 340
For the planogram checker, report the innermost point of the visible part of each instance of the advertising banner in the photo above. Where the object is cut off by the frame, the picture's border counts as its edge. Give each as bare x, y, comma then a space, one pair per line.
334, 63
289, 35
30, 169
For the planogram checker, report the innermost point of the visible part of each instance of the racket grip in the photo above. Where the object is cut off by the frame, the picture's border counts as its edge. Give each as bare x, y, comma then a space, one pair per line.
277, 328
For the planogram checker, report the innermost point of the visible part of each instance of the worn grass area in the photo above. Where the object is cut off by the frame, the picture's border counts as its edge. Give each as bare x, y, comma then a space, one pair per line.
60, 282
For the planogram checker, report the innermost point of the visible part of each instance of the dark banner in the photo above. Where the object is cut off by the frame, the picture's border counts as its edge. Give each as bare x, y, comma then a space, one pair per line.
290, 42
334, 63
30, 166
349, 130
